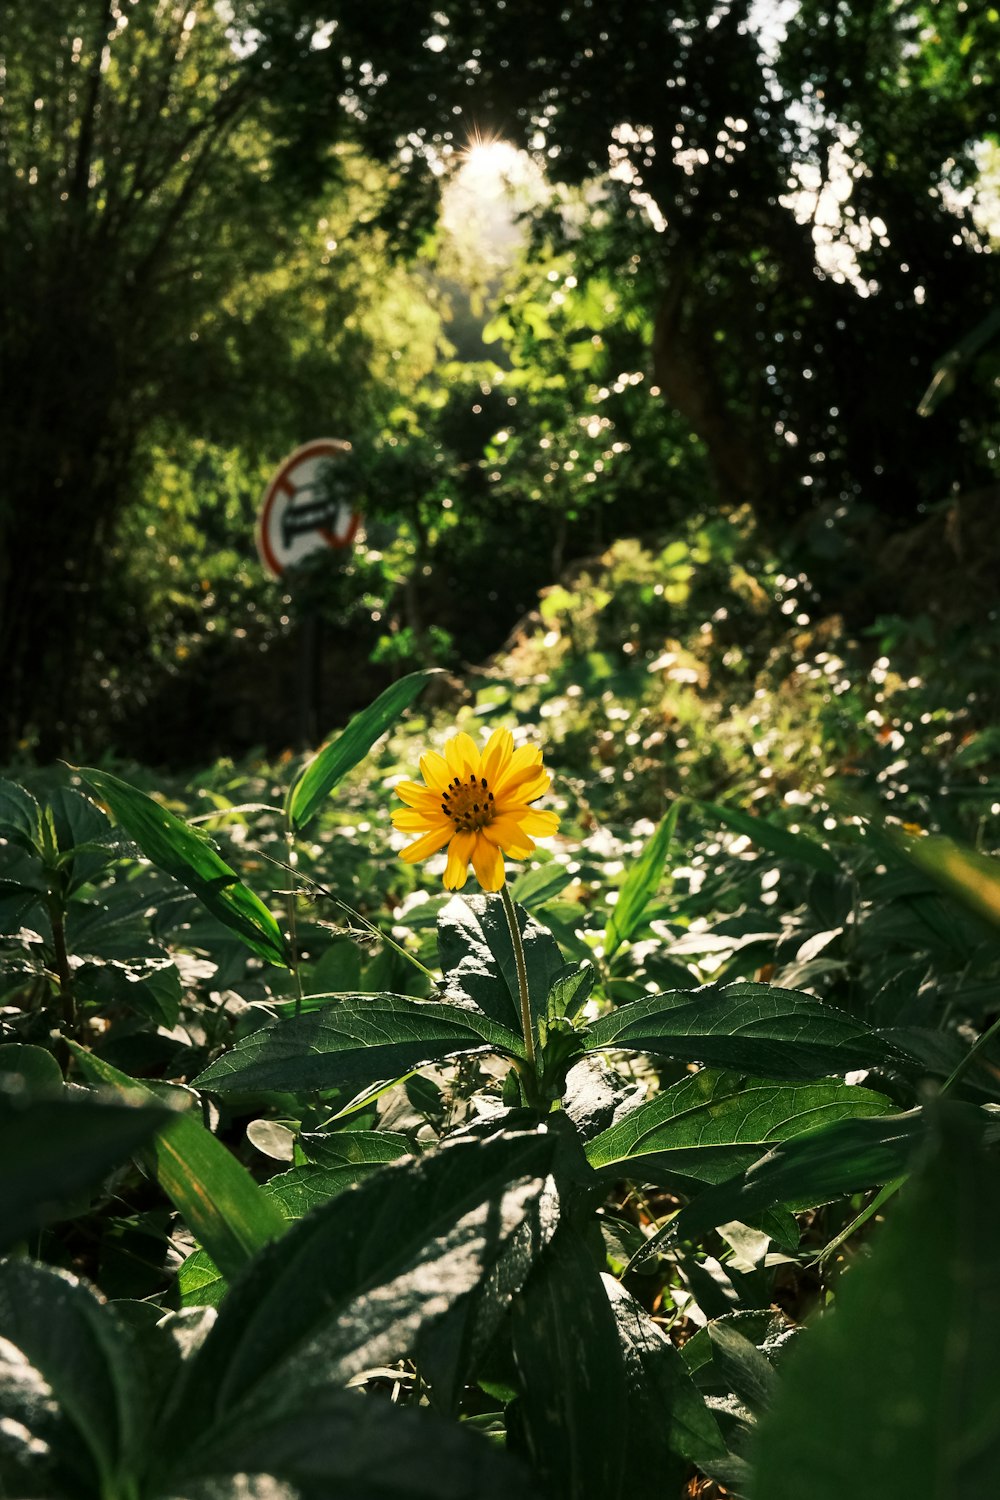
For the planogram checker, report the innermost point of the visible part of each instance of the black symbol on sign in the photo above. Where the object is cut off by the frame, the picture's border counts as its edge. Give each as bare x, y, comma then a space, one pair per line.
319, 514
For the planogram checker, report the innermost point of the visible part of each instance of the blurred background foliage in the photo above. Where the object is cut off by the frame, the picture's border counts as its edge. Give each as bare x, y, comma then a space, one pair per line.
742, 246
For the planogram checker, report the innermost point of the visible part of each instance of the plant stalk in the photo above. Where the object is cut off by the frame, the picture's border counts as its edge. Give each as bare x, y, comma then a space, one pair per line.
291, 909
522, 974
66, 997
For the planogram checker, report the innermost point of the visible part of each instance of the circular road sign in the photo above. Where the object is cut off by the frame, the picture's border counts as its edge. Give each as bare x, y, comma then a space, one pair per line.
305, 507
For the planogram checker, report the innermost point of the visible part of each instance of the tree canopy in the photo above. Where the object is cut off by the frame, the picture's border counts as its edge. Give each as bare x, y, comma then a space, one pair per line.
221, 229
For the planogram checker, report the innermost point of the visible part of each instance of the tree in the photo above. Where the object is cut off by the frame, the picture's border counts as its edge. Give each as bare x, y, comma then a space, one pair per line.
145, 171
781, 210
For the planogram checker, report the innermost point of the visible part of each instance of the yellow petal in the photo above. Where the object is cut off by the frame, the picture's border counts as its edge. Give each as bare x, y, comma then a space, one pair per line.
459, 853
507, 834
462, 756
415, 795
536, 783
523, 764
429, 844
434, 770
412, 820
542, 825
499, 749
487, 861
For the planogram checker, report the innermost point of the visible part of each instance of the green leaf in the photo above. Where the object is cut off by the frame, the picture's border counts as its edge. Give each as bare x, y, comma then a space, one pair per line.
894, 1391
76, 1356
570, 989
200, 1283
971, 878
804, 1172
359, 1449
574, 1404
20, 817
743, 1369
541, 884
355, 1040
296, 1193
770, 1032
710, 1126
354, 1148
772, 838
667, 1414
223, 1207
32, 1068
175, 847
477, 958
641, 884
84, 836
355, 1283
341, 754
52, 1148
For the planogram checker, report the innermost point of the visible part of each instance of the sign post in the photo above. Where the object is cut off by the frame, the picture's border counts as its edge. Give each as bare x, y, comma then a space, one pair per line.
306, 509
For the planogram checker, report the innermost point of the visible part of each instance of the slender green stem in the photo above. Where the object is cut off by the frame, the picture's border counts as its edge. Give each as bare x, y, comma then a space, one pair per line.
976, 1047
290, 907
66, 997
881, 1197
893, 1187
376, 931
313, 889
522, 974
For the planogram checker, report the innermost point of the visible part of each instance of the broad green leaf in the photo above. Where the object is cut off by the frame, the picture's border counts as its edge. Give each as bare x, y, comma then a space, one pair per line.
84, 836
20, 817
743, 1369
541, 884
354, 1148
772, 838
804, 1172
570, 989
710, 1126
178, 849
33, 1068
200, 1283
223, 1207
77, 1357
641, 884
296, 1193
573, 1410
667, 1415
341, 754
477, 958
894, 1391
53, 1147
770, 1032
355, 1283
766, 1328
358, 1039
355, 1448
450, 1352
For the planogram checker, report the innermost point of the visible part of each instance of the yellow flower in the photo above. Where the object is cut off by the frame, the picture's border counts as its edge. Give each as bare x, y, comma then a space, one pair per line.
477, 804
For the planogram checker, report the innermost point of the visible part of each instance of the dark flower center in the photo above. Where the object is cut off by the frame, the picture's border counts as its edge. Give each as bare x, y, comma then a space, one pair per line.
469, 804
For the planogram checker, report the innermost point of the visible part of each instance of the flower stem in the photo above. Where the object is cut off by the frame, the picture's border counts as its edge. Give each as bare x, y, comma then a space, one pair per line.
522, 974
970, 1056
67, 999
292, 912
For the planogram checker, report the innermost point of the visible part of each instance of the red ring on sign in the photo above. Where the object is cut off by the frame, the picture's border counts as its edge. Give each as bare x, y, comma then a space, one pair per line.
320, 448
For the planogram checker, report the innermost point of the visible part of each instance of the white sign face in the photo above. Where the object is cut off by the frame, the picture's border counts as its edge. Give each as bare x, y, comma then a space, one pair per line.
301, 512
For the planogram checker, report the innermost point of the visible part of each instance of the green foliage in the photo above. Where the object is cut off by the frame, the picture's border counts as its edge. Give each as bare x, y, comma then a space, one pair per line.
317, 780
731, 1072
910, 1382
